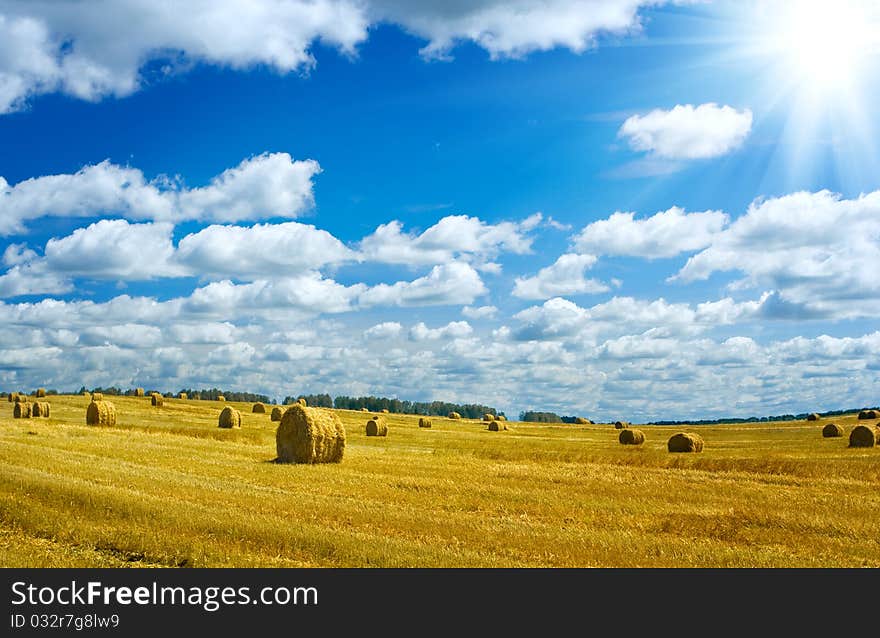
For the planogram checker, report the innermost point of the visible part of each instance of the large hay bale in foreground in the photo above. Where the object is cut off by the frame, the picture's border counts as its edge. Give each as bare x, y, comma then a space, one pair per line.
259, 408
813, 417
868, 414
377, 426
138, 392
309, 435
97, 396
277, 413
488, 417
22, 410
496, 426
620, 425
182, 396
582, 421
685, 442
220, 397
157, 400
424, 422
229, 418
453, 415
40, 393
863, 436
631, 436
40, 409
832, 430
101, 413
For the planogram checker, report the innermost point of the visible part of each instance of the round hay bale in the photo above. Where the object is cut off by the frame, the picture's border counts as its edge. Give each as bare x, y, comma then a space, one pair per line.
40, 409
453, 415
364, 410
87, 394
496, 426
309, 435
813, 417
424, 422
182, 396
631, 436
138, 392
220, 397
582, 421
259, 408
11, 397
40, 393
377, 427
863, 436
277, 413
22, 410
685, 442
488, 417
101, 413
868, 414
832, 430
229, 418
385, 411
20, 398
501, 417
302, 402
97, 396
620, 425
157, 400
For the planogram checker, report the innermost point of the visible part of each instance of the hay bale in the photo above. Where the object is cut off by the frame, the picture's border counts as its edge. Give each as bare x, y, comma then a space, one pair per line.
40, 393
832, 430
259, 408
496, 426
385, 411
813, 417
620, 425
229, 418
182, 396
868, 414
11, 397
488, 417
277, 413
138, 392
453, 415
685, 442
97, 396
40, 409
101, 413
87, 394
220, 397
302, 402
364, 410
377, 427
309, 435
424, 422
196, 396
631, 436
501, 417
582, 421
863, 436
22, 410
157, 400
20, 398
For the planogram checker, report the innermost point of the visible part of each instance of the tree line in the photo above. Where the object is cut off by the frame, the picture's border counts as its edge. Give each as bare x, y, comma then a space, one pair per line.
396, 406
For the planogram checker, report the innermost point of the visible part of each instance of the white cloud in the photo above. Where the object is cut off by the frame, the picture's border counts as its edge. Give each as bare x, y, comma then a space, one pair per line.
452, 330
260, 187
454, 283
481, 312
564, 277
686, 132
664, 234
385, 330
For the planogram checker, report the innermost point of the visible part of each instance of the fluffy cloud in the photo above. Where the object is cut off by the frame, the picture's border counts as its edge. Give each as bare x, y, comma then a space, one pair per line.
260, 187
687, 132
564, 277
447, 284
384, 330
481, 312
452, 330
664, 234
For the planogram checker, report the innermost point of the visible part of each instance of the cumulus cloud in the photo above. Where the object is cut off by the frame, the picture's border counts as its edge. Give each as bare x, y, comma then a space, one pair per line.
260, 187
481, 312
384, 330
564, 277
447, 284
686, 132
452, 330
664, 234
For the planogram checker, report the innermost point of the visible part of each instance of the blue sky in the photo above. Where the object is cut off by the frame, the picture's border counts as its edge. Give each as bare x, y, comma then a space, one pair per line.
598, 207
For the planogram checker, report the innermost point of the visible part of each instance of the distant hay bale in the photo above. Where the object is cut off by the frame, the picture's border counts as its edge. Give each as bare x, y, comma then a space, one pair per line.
631, 436
220, 397
97, 396
424, 422
863, 436
496, 426
277, 413
229, 418
832, 430
157, 400
385, 411
364, 410
582, 421
453, 415
488, 417
868, 414
259, 408
40, 409
813, 417
620, 425
40, 393
196, 396
309, 435
22, 410
182, 396
685, 442
101, 413
138, 392
20, 398
302, 401
377, 426
501, 417
11, 397
87, 394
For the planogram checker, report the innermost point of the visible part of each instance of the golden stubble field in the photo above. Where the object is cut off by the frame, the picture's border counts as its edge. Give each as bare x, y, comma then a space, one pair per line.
167, 487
